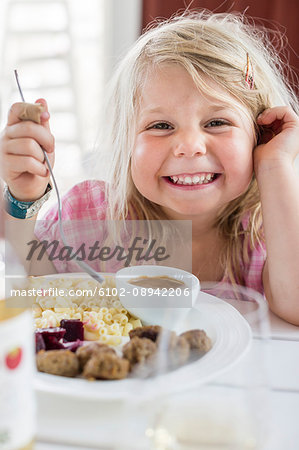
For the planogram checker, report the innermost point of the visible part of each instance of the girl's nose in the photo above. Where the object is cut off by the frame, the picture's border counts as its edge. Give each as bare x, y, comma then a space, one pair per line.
190, 144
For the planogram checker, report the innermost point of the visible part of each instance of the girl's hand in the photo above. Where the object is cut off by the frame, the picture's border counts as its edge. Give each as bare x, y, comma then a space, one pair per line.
279, 141
23, 166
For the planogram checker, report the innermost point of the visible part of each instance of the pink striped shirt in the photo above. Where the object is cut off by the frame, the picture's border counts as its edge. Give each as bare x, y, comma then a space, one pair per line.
84, 206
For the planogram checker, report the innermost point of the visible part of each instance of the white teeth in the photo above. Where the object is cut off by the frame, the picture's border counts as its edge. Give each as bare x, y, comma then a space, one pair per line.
192, 180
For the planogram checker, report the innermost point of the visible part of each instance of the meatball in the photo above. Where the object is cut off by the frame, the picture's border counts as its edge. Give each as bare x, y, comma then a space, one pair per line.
58, 362
106, 365
166, 339
176, 348
85, 352
138, 350
198, 340
150, 332
179, 353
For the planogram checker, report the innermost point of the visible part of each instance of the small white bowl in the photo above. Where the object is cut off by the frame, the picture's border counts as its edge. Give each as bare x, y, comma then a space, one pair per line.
165, 307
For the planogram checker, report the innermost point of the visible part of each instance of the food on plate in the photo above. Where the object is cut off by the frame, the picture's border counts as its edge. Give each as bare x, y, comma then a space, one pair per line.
96, 305
178, 352
140, 356
65, 323
157, 282
58, 362
175, 349
149, 331
92, 361
39, 342
138, 350
106, 365
198, 340
85, 352
55, 339
73, 329
49, 338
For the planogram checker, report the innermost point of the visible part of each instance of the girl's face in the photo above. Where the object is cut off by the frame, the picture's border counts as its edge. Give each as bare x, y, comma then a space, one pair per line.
192, 153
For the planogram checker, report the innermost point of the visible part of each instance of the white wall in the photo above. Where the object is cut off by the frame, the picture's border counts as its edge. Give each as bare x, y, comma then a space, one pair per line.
123, 28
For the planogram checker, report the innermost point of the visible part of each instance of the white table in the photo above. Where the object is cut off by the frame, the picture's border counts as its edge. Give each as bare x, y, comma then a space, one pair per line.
283, 378
283, 395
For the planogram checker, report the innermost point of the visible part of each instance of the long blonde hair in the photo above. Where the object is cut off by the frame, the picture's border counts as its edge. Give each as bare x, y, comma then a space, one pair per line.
214, 45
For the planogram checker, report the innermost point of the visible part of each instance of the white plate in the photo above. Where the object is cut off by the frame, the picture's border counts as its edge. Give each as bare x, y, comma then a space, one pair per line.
231, 337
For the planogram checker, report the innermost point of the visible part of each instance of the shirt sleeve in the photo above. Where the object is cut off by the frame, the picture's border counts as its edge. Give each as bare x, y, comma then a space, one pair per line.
253, 273
81, 205
253, 270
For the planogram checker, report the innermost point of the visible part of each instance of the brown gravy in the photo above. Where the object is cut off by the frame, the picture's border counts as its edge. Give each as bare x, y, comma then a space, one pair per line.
160, 282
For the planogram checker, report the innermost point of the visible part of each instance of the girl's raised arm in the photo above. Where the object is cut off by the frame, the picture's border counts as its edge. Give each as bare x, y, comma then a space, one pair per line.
278, 183
24, 170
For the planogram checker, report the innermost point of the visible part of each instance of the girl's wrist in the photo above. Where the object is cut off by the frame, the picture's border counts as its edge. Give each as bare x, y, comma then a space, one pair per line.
273, 165
26, 197
24, 209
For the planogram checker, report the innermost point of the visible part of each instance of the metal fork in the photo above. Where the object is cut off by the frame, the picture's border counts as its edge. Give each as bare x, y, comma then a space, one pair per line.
85, 267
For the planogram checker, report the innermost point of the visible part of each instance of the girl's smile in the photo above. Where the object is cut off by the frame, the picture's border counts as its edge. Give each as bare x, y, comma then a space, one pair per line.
192, 153
191, 181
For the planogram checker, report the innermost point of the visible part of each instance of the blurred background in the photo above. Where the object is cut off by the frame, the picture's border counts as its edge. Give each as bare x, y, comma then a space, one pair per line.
65, 51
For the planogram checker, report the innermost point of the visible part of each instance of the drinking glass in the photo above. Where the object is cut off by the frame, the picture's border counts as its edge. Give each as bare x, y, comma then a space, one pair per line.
227, 409
219, 400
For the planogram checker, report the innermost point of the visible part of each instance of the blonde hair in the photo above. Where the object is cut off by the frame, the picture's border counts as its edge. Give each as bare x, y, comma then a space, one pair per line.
214, 45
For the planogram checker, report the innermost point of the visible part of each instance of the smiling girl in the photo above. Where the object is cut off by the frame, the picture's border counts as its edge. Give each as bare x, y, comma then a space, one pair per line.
202, 127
